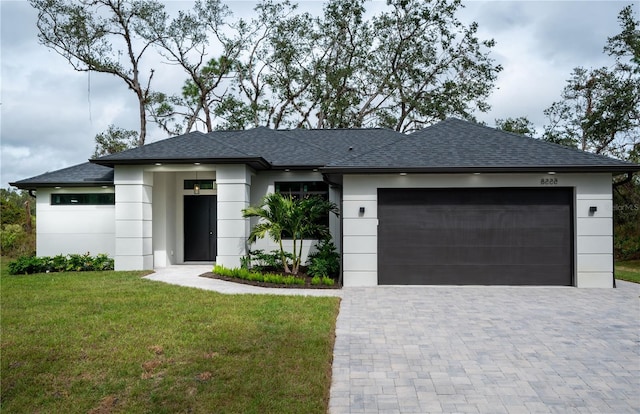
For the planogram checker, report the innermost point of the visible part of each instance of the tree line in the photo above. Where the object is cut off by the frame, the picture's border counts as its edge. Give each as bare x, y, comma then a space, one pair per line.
599, 110
405, 67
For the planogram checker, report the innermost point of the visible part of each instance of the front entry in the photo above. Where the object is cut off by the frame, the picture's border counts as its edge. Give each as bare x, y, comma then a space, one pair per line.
200, 238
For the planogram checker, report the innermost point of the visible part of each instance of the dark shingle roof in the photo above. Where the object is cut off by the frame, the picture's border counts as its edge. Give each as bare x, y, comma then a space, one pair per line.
86, 174
278, 148
191, 147
454, 145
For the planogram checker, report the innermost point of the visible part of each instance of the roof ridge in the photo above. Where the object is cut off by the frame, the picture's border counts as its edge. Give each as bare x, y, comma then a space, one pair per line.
210, 135
336, 129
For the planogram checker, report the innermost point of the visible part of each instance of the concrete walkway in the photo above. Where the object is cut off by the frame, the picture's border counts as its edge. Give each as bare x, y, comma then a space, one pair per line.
487, 350
189, 275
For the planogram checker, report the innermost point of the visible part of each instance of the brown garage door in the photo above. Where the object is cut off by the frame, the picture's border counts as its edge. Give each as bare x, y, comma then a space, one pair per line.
483, 236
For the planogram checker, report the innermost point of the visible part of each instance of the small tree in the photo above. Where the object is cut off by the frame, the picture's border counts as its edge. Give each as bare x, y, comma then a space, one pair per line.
103, 36
520, 125
282, 216
114, 140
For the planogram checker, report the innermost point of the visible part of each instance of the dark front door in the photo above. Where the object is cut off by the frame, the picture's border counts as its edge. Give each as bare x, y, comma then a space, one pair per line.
200, 228
482, 236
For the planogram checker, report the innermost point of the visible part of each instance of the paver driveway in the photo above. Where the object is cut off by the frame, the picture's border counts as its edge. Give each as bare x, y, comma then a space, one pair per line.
487, 350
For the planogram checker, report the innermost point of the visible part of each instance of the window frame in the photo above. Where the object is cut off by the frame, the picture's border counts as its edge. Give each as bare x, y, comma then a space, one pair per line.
301, 192
205, 184
83, 199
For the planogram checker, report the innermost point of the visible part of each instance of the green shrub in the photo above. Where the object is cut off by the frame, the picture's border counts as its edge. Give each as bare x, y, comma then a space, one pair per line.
292, 280
245, 262
328, 281
316, 280
325, 261
260, 260
60, 263
15, 242
245, 274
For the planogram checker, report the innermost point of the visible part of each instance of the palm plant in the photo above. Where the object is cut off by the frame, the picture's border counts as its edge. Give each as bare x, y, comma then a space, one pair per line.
282, 215
273, 213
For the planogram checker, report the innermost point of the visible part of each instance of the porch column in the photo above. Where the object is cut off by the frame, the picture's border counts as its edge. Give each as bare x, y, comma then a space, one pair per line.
233, 184
134, 189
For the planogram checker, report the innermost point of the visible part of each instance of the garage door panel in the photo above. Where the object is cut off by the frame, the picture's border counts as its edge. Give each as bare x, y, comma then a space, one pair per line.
515, 275
453, 255
534, 237
452, 217
475, 236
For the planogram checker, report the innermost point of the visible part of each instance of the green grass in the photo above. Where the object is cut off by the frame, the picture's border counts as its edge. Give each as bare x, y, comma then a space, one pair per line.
629, 271
111, 342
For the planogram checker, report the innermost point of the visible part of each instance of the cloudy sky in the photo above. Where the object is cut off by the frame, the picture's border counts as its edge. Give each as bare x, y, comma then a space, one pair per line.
50, 114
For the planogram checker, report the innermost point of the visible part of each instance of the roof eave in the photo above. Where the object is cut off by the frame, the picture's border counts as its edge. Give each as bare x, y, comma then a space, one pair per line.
496, 170
255, 162
32, 185
305, 167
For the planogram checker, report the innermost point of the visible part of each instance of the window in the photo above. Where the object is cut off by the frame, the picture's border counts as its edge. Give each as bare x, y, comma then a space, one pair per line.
100, 199
204, 184
298, 189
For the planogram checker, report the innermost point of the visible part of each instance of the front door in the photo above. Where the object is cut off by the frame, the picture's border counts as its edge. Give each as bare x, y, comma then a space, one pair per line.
200, 228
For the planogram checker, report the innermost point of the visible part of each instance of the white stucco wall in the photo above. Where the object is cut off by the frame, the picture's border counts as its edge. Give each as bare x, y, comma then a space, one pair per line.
234, 186
134, 195
593, 234
65, 229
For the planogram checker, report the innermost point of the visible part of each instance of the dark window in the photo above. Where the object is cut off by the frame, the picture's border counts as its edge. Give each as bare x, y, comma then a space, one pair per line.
83, 199
204, 184
300, 189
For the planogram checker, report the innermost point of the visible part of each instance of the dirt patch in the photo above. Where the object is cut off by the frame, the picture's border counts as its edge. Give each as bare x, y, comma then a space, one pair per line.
106, 406
204, 376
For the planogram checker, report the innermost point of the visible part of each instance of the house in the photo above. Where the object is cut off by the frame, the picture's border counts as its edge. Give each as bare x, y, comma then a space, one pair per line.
454, 203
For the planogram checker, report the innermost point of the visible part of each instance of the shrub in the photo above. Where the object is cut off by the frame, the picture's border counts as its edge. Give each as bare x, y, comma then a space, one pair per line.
260, 260
245, 274
245, 262
316, 280
325, 261
15, 242
327, 281
60, 263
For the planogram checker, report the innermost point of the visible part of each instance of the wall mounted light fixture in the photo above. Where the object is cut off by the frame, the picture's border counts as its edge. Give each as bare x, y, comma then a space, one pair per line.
196, 185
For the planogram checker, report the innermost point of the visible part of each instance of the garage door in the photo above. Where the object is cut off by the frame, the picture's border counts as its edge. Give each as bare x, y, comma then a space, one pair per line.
494, 236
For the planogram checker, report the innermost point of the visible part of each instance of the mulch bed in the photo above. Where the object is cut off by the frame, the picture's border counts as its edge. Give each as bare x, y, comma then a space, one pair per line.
307, 282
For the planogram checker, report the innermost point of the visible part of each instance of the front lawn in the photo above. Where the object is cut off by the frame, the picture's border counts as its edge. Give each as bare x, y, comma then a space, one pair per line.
107, 342
629, 271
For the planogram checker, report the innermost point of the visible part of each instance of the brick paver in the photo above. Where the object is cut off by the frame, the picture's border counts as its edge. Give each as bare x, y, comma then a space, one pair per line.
487, 350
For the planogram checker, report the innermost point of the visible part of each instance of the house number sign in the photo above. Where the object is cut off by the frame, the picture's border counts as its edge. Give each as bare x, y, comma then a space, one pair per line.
549, 181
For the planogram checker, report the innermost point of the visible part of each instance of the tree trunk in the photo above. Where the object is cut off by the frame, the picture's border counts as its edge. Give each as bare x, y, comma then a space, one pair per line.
28, 227
143, 121
284, 258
